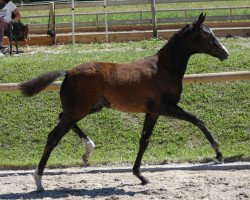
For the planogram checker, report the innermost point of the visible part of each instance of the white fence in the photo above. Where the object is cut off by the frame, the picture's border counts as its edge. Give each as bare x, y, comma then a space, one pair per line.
153, 15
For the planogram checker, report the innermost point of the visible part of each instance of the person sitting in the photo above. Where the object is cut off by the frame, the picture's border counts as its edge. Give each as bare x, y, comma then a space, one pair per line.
7, 10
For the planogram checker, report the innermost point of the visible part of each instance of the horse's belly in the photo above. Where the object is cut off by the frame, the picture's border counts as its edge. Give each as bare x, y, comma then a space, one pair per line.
127, 103
131, 97
128, 107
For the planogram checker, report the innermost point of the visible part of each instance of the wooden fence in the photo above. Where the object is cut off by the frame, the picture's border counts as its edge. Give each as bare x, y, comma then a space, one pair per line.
149, 16
189, 78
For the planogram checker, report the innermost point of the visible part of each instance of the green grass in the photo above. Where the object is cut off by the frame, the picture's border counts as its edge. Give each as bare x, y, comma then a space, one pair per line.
26, 122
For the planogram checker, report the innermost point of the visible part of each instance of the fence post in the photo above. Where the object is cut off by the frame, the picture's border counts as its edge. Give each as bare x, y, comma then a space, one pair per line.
52, 21
154, 20
106, 21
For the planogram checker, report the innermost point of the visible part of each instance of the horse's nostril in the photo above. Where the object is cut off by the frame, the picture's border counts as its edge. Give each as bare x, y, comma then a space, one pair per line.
224, 56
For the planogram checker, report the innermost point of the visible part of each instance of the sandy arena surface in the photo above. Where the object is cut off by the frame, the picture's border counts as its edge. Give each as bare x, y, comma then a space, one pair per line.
182, 181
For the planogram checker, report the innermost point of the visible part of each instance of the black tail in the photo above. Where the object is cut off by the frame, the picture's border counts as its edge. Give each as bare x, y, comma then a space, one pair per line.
36, 85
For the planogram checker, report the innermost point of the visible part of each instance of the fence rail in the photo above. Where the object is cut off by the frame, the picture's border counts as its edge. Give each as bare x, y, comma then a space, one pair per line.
188, 78
66, 4
137, 11
97, 20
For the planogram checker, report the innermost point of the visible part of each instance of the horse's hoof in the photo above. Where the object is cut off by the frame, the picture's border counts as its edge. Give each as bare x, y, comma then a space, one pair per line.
219, 157
85, 159
137, 173
41, 189
38, 180
144, 181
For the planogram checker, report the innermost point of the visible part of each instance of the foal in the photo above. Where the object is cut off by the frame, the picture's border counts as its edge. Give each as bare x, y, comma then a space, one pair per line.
152, 86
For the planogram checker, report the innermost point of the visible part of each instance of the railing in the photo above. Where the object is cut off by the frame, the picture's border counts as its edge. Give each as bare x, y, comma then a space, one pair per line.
189, 78
97, 17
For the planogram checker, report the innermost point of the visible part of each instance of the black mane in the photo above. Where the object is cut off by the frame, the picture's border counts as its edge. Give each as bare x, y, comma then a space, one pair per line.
176, 38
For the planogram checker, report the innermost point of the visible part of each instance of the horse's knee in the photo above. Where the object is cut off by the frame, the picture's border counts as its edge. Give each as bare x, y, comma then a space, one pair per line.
215, 145
198, 122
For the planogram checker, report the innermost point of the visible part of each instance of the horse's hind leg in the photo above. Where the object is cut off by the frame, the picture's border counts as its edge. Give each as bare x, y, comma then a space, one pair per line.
53, 139
89, 144
179, 113
149, 123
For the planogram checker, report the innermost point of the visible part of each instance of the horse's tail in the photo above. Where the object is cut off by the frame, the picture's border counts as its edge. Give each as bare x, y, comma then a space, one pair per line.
36, 85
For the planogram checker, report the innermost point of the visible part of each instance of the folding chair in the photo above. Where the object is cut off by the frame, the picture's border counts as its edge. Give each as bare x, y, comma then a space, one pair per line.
15, 35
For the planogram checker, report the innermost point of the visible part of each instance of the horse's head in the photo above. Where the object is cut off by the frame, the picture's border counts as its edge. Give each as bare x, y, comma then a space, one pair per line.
203, 40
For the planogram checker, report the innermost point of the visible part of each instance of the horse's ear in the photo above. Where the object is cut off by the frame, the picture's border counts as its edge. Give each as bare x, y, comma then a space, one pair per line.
200, 20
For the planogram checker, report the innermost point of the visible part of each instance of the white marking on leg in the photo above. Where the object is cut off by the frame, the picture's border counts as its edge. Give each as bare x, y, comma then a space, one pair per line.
89, 146
38, 180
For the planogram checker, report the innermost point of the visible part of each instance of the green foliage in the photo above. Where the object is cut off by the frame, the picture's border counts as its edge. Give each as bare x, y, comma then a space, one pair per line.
26, 122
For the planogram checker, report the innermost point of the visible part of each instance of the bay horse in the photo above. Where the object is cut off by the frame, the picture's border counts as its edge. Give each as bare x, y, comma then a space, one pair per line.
152, 86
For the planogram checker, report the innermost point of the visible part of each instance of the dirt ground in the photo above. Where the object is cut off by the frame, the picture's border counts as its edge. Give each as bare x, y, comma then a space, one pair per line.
185, 181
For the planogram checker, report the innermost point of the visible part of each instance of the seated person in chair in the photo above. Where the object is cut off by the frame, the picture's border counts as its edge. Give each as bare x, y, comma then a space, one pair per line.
7, 8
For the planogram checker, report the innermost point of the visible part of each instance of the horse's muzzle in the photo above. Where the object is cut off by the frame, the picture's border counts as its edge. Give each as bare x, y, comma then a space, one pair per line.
224, 55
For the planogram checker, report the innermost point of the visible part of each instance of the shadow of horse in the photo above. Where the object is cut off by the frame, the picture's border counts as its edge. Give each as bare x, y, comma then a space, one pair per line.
65, 192
232, 164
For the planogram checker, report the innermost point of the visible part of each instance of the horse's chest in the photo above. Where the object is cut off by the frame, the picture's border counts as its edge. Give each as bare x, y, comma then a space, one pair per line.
171, 93
170, 98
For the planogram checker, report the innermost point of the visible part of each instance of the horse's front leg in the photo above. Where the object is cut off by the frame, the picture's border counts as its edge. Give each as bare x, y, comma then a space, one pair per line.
149, 123
177, 112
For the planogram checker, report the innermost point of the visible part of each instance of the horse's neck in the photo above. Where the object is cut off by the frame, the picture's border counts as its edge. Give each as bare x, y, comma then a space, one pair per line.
174, 59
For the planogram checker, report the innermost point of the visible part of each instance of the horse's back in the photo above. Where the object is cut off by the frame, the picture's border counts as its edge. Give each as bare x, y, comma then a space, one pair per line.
117, 72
